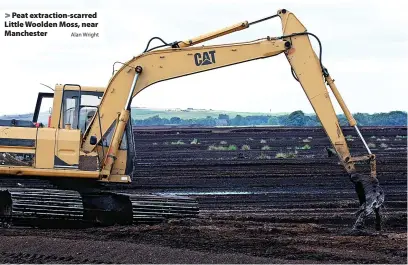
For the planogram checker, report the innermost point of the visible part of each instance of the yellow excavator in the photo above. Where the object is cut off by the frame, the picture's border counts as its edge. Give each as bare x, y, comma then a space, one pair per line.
101, 149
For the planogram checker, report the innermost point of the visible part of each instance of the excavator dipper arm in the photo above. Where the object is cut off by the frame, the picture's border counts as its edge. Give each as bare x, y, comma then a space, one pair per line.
182, 59
311, 74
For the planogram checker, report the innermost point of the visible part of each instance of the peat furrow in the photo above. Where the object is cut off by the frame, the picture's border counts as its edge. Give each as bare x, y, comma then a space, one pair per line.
26, 257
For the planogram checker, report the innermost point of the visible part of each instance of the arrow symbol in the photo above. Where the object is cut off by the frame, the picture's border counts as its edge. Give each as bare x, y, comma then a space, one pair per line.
7, 15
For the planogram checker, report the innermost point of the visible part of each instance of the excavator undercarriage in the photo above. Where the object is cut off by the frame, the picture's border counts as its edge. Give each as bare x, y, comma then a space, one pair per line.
46, 207
89, 207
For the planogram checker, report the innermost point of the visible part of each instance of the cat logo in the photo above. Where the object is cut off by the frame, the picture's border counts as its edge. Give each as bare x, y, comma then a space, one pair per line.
205, 58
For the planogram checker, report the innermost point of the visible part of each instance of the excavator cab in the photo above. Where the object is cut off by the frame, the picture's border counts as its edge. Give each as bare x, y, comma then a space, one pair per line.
75, 107
90, 99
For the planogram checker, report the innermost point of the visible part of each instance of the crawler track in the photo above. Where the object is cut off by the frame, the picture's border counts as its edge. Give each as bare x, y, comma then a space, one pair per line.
38, 205
55, 207
153, 209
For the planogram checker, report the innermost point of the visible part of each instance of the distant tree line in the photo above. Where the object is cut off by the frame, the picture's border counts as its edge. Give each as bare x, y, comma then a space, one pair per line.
296, 118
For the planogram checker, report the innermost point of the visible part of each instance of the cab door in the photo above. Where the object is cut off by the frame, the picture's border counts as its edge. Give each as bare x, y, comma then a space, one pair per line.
67, 145
68, 136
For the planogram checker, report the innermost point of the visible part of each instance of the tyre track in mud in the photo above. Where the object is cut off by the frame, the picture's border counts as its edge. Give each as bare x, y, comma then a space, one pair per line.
24, 257
208, 240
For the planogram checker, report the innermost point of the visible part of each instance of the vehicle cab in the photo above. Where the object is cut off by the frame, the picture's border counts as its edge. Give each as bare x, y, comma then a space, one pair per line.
73, 105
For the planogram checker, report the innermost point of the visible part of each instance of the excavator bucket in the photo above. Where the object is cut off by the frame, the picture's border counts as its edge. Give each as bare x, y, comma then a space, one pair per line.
371, 198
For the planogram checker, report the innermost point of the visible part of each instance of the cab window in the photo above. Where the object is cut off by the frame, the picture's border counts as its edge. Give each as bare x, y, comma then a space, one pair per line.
70, 109
87, 107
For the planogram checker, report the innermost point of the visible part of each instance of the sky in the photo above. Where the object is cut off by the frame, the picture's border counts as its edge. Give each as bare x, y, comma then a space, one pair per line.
364, 48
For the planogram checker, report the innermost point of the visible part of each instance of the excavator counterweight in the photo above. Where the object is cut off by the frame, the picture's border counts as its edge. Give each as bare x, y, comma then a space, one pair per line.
90, 137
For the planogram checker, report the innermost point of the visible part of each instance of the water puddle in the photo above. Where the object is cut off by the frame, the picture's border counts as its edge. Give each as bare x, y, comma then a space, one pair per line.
181, 193
235, 192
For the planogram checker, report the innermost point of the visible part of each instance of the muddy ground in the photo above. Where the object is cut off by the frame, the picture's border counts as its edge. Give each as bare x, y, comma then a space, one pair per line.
255, 208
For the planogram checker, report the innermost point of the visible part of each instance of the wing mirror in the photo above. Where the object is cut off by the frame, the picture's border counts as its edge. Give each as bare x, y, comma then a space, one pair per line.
92, 140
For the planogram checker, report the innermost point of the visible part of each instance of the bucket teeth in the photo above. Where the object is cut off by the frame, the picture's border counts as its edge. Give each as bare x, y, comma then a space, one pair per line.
104, 208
